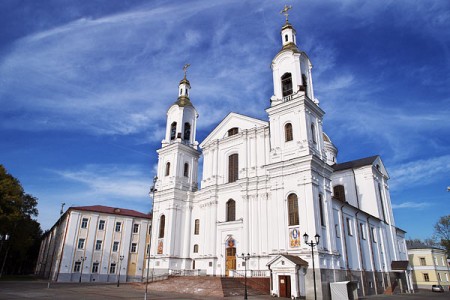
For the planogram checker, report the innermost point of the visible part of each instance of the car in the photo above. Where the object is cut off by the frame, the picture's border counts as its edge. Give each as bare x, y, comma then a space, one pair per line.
437, 288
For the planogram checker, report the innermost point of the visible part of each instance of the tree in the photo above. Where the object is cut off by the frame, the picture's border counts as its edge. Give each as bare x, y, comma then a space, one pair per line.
17, 210
442, 233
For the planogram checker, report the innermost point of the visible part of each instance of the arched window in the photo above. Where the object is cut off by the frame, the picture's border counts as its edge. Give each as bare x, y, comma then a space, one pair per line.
233, 167
231, 210
285, 37
286, 83
187, 131
288, 132
305, 83
197, 227
168, 169
173, 131
313, 133
293, 210
322, 220
181, 91
195, 248
162, 224
233, 131
186, 170
339, 192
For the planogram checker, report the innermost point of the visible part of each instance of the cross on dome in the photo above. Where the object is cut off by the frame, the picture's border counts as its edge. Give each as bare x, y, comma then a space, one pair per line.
285, 11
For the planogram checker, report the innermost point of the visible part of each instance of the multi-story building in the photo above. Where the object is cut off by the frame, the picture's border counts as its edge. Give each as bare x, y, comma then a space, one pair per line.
265, 184
95, 243
429, 266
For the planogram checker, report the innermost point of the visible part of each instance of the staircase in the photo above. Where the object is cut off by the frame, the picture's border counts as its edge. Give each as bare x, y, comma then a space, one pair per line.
212, 286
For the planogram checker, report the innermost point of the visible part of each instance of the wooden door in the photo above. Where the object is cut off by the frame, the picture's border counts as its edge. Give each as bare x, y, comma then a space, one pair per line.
230, 260
284, 283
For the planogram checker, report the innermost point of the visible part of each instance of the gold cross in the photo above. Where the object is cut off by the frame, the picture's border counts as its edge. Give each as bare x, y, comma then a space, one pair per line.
186, 66
285, 11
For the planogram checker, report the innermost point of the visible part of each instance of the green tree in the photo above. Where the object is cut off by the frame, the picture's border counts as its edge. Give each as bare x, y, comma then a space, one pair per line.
442, 233
17, 209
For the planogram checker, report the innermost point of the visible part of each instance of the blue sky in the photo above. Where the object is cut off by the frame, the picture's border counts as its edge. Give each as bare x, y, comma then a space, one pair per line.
85, 86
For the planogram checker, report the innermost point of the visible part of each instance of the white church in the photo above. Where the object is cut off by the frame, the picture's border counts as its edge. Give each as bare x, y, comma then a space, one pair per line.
265, 184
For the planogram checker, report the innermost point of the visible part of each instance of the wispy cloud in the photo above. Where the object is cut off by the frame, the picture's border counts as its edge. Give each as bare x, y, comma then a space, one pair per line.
414, 205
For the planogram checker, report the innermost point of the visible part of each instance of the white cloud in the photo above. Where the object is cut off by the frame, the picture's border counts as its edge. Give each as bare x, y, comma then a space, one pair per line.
416, 205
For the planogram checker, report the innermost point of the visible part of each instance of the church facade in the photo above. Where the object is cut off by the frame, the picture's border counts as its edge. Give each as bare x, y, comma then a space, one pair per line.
266, 183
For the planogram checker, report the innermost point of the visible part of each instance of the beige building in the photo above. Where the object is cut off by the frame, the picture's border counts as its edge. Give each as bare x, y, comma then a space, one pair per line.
429, 266
95, 244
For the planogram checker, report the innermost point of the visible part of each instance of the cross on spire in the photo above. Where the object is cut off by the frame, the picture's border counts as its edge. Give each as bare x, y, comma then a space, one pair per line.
285, 11
185, 67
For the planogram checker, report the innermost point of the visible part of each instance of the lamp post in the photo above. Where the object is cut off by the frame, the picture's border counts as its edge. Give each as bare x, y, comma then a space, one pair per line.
152, 190
312, 245
83, 258
3, 239
120, 266
245, 257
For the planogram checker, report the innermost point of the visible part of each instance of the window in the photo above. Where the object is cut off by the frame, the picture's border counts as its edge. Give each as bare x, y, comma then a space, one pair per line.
435, 261
150, 229
286, 83
118, 226
210, 263
115, 247
339, 192
233, 131
101, 225
112, 268
98, 245
374, 236
305, 83
286, 38
439, 277
197, 227
336, 228
293, 210
84, 223
422, 261
313, 133
95, 268
135, 228
173, 131
162, 223
186, 170
349, 227
363, 232
195, 248
77, 266
288, 132
187, 131
81, 244
426, 277
147, 249
133, 247
381, 201
322, 220
167, 169
233, 167
231, 210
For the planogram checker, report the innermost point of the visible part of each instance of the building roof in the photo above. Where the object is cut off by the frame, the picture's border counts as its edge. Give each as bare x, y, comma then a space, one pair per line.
112, 211
355, 163
419, 245
296, 260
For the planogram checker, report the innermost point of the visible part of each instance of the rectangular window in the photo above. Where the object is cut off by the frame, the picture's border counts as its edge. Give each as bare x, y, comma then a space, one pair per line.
363, 232
118, 226
115, 246
95, 268
233, 167
133, 247
374, 236
422, 261
98, 245
338, 233
101, 225
77, 266
84, 223
197, 227
195, 248
426, 277
135, 228
349, 227
81, 244
210, 263
112, 268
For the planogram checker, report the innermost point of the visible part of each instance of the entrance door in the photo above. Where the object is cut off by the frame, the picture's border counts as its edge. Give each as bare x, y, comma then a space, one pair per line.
284, 282
230, 263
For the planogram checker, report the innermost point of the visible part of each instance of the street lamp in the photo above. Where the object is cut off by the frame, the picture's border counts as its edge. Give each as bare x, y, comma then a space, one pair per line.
152, 190
245, 257
312, 245
83, 258
120, 266
3, 239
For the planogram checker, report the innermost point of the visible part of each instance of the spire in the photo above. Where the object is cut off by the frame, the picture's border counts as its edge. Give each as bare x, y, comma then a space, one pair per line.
184, 87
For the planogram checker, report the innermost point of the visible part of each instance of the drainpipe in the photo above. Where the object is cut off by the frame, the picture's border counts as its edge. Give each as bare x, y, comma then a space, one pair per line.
345, 243
373, 256
363, 269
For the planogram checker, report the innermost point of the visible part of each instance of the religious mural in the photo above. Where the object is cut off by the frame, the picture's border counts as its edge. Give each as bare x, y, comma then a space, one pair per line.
160, 246
294, 237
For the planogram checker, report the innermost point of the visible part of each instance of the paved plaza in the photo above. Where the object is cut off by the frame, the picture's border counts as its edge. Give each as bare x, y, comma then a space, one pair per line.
89, 291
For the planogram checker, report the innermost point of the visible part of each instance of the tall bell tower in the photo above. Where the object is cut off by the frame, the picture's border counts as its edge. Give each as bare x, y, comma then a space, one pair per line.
177, 181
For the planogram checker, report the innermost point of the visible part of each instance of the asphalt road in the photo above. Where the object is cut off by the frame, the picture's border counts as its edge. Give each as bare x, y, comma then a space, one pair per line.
39, 290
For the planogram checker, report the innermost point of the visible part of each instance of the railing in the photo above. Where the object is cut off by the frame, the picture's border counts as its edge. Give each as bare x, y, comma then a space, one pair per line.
196, 272
250, 273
